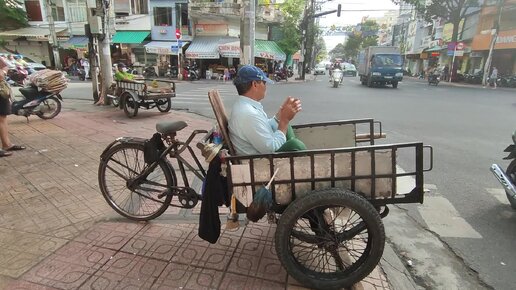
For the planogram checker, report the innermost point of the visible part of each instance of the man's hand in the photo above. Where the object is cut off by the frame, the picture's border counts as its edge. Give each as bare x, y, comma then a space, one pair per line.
287, 111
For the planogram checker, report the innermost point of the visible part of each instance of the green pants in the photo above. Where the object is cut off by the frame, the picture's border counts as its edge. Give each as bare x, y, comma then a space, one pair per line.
292, 144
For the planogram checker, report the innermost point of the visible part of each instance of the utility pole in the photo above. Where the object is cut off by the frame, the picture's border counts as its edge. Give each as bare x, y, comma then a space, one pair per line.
53, 37
308, 39
93, 48
247, 32
105, 49
494, 33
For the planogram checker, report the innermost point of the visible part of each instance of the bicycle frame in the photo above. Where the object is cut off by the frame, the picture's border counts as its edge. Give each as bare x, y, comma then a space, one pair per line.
175, 150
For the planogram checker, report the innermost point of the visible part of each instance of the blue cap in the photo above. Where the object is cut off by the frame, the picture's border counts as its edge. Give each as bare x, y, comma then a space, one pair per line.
249, 73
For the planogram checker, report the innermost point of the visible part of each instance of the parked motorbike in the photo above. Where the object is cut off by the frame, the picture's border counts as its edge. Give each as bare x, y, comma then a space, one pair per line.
17, 75
193, 72
508, 178
336, 78
43, 104
172, 71
290, 72
475, 78
150, 72
434, 79
281, 74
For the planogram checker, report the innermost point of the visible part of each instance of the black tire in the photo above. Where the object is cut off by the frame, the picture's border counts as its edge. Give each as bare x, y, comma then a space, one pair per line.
304, 253
277, 79
335, 84
130, 105
164, 105
369, 82
125, 161
49, 108
395, 85
511, 173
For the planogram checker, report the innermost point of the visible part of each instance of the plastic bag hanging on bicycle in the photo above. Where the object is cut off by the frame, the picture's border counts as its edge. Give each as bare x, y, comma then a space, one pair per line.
153, 148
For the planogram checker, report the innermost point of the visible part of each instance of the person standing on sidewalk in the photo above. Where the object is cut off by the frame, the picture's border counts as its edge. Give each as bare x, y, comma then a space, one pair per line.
5, 109
494, 76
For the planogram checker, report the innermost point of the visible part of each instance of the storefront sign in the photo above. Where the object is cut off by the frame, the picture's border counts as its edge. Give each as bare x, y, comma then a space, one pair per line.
202, 55
505, 40
266, 55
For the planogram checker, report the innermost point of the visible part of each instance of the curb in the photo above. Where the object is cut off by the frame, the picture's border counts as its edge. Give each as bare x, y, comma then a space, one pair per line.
397, 274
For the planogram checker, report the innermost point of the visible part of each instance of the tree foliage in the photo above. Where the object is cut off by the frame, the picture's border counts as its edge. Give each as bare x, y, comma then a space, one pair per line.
12, 15
364, 36
452, 11
291, 41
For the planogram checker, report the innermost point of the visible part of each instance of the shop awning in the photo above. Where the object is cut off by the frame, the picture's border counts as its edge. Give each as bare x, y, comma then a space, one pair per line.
76, 42
435, 48
134, 37
230, 48
269, 50
204, 47
34, 32
164, 47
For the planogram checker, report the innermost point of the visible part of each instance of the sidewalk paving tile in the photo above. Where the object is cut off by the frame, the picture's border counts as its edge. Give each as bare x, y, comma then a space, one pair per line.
57, 230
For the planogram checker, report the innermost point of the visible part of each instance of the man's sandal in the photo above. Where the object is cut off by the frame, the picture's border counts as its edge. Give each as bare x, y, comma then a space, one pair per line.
15, 148
4, 153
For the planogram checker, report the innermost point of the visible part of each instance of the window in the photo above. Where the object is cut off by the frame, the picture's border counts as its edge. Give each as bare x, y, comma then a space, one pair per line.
139, 7
162, 16
33, 10
77, 11
58, 10
181, 14
388, 60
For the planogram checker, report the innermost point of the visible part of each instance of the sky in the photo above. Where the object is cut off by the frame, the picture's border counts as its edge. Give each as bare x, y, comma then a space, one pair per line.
354, 17
351, 17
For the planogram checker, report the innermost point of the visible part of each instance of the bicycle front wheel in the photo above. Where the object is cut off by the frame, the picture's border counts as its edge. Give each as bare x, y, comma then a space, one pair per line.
141, 201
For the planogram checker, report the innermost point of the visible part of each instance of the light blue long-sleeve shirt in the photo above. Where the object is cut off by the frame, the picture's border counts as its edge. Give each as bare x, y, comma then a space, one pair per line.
251, 131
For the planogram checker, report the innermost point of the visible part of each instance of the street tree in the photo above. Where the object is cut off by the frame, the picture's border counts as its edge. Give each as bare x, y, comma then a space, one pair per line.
451, 11
338, 51
12, 14
364, 35
291, 40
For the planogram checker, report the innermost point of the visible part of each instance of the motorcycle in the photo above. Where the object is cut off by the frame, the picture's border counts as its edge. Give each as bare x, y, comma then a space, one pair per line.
172, 72
150, 72
290, 72
434, 79
17, 75
281, 74
43, 104
336, 78
193, 72
508, 178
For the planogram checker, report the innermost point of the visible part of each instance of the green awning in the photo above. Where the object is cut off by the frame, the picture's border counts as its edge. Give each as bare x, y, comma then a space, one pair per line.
135, 37
269, 50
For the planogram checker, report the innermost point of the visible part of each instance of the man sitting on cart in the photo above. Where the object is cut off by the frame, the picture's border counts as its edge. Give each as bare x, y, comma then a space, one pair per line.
250, 130
122, 74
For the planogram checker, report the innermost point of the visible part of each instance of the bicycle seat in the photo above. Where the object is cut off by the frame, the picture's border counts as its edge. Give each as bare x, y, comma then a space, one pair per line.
169, 127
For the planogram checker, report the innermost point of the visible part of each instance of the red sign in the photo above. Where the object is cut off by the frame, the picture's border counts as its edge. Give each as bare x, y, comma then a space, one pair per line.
178, 33
460, 46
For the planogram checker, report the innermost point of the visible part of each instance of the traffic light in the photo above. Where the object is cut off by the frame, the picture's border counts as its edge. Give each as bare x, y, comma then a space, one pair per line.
178, 33
339, 7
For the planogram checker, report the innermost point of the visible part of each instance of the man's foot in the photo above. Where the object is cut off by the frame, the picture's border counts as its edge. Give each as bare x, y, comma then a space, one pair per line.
4, 153
15, 148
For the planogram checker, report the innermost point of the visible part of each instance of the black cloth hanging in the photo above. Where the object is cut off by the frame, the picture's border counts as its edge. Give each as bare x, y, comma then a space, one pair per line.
215, 194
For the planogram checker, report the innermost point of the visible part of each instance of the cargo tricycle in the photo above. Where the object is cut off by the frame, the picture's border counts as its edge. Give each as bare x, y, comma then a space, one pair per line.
328, 201
143, 93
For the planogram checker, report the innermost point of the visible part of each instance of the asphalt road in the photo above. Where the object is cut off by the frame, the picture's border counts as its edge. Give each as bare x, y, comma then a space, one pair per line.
468, 128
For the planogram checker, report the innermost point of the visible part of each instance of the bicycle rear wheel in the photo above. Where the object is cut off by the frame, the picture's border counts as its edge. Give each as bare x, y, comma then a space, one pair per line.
124, 162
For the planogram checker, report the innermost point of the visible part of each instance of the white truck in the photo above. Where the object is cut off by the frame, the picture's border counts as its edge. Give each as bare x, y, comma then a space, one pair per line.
380, 65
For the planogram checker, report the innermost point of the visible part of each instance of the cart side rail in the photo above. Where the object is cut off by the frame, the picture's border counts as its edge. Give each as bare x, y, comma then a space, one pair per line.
370, 171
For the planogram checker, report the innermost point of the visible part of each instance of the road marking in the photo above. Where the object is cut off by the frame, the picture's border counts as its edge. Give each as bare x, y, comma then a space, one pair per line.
442, 217
499, 193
